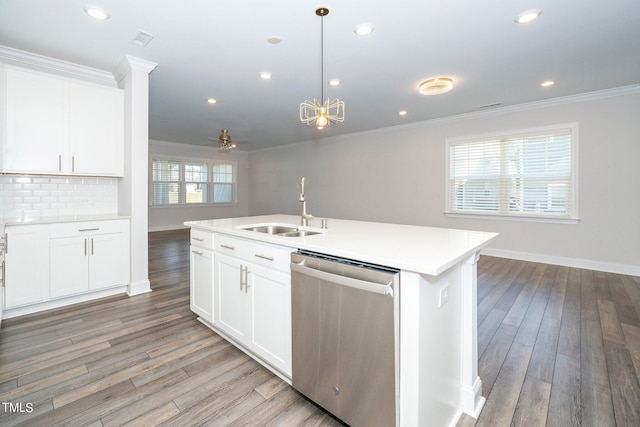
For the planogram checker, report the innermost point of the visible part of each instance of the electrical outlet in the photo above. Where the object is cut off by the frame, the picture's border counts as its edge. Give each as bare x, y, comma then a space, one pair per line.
444, 295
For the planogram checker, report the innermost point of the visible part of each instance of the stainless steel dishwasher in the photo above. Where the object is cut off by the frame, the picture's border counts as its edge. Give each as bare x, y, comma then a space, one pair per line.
343, 337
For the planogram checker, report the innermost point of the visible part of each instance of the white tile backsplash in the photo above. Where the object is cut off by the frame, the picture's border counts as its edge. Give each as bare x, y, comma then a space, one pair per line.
41, 196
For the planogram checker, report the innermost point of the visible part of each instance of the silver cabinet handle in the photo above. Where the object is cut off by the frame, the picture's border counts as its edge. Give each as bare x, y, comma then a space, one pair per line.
244, 274
59, 162
89, 229
228, 247
73, 163
199, 239
268, 258
198, 253
92, 246
246, 279
85, 247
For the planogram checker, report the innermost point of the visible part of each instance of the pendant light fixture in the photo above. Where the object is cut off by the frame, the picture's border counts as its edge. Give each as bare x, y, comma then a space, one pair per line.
326, 111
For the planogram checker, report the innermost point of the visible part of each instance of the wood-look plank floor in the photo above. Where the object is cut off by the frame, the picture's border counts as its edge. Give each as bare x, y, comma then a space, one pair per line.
557, 346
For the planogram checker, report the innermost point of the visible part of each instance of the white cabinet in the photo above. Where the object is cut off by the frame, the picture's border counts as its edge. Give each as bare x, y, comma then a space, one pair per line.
55, 125
201, 275
26, 263
252, 297
87, 256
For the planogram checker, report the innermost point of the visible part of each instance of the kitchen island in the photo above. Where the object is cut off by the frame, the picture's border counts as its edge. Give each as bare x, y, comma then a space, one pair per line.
435, 320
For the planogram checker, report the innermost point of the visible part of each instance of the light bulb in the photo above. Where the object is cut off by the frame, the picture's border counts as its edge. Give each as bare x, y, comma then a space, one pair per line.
322, 121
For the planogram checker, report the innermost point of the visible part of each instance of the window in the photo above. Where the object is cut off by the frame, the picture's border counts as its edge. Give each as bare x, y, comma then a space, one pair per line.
166, 182
186, 182
528, 174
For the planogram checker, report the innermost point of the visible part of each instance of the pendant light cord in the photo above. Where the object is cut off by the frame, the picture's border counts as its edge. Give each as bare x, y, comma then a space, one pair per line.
322, 59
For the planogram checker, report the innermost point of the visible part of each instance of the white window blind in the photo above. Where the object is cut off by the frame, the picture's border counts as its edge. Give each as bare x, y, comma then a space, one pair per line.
529, 175
182, 182
196, 176
166, 178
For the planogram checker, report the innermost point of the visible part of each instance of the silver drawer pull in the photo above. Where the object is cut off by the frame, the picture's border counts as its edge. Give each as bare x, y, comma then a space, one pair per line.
228, 247
89, 229
198, 253
199, 239
268, 258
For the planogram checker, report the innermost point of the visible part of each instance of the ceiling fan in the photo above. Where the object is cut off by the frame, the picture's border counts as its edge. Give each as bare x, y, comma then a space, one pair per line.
224, 141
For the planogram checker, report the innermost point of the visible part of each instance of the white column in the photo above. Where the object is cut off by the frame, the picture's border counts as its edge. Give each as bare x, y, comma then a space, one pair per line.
132, 75
471, 393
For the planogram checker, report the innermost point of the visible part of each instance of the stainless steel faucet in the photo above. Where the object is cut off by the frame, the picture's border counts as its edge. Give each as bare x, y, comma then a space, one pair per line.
305, 217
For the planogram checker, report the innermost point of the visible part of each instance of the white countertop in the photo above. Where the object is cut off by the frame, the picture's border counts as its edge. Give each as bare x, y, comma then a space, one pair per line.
427, 250
65, 218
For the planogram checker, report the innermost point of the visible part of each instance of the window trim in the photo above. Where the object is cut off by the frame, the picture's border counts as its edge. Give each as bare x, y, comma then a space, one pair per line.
573, 218
183, 182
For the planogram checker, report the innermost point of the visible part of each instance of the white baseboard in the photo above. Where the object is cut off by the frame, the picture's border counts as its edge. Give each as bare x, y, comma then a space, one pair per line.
139, 287
62, 302
167, 227
609, 267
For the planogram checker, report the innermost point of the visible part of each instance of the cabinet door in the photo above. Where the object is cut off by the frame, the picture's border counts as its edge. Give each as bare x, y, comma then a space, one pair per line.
69, 266
270, 293
96, 130
36, 123
201, 283
106, 266
231, 310
26, 263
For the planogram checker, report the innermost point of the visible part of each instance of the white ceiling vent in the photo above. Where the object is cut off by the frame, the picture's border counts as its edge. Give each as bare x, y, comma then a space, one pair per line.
142, 38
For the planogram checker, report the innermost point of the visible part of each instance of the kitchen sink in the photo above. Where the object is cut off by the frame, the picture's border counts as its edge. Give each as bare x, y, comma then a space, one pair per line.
298, 233
280, 230
272, 229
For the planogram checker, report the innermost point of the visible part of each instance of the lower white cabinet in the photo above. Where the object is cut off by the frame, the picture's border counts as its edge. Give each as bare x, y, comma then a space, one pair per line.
47, 262
253, 301
88, 261
26, 263
201, 283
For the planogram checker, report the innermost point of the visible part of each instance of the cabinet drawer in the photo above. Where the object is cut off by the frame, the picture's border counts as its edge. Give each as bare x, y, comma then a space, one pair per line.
201, 238
71, 229
272, 256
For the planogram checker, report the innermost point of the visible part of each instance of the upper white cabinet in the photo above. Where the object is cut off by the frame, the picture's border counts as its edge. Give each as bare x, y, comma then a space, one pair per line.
55, 125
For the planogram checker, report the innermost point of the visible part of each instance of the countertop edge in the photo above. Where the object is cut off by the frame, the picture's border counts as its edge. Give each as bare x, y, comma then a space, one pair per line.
229, 226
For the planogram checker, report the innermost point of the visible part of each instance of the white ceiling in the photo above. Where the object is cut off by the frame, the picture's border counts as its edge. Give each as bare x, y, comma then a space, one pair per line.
207, 48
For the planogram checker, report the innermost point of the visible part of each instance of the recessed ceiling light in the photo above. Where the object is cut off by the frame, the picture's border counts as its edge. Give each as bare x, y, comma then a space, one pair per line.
265, 75
436, 86
212, 101
363, 29
547, 83
334, 82
274, 39
402, 112
96, 13
527, 16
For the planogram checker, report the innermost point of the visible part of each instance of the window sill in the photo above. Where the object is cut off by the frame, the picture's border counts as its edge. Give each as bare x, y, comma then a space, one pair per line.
194, 205
501, 217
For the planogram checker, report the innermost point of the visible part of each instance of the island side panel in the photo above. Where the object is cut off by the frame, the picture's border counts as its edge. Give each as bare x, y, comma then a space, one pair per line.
471, 396
431, 348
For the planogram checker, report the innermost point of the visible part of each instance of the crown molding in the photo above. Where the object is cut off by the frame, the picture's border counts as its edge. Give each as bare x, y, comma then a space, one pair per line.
46, 64
129, 63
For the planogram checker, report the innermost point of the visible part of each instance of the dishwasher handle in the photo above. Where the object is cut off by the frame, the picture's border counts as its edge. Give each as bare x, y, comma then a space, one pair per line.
383, 289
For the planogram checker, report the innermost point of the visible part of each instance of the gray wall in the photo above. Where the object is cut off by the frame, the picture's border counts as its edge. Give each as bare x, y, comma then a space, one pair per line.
172, 217
398, 175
